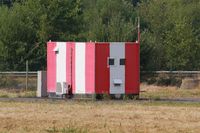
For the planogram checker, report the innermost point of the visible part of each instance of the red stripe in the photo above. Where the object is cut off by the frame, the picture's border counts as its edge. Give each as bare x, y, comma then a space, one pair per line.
51, 67
132, 77
69, 63
70, 60
73, 67
90, 68
102, 73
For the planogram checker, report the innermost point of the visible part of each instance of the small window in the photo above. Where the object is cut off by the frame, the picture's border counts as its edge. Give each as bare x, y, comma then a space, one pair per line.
117, 85
111, 61
122, 61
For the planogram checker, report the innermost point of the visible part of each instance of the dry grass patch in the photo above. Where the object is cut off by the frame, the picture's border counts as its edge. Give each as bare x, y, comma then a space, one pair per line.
158, 92
98, 117
13, 93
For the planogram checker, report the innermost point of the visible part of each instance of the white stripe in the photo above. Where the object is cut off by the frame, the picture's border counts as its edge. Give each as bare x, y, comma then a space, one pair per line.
61, 62
80, 68
117, 72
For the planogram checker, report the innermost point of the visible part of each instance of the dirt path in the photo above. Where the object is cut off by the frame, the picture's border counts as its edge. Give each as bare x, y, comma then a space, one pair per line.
140, 100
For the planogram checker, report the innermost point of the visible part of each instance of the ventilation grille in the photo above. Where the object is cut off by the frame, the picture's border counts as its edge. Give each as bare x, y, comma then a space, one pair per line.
58, 87
61, 88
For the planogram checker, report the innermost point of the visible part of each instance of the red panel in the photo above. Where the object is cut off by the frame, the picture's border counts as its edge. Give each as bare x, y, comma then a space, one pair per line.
70, 60
132, 68
69, 56
102, 73
51, 67
73, 67
90, 68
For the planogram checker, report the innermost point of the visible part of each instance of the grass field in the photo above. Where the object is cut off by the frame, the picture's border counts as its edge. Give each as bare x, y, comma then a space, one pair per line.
167, 92
13, 93
109, 116
147, 91
99, 117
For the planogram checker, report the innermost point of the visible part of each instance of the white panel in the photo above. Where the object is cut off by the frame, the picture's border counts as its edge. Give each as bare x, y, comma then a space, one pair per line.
117, 72
61, 62
80, 68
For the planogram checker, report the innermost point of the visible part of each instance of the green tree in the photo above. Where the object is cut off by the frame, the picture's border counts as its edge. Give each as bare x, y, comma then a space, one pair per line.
170, 35
109, 20
28, 25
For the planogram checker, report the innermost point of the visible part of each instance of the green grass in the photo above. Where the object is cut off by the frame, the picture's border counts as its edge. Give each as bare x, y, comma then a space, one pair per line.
68, 129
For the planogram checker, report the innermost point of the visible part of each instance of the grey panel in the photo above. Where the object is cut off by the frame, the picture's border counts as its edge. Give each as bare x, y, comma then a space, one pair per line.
41, 84
61, 88
117, 71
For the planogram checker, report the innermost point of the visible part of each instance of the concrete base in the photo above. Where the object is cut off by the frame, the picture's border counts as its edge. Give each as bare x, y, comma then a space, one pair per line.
54, 95
97, 96
118, 96
84, 96
41, 84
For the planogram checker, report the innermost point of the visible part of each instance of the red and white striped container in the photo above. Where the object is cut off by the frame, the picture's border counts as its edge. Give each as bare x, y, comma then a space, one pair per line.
93, 67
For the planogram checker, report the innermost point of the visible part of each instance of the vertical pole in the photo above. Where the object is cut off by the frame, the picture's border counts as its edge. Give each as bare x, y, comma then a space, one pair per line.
139, 51
26, 75
139, 30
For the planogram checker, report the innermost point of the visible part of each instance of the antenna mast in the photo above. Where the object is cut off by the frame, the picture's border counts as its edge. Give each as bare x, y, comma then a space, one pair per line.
138, 30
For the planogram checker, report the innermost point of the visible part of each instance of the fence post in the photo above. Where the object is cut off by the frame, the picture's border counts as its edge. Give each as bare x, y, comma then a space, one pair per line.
26, 75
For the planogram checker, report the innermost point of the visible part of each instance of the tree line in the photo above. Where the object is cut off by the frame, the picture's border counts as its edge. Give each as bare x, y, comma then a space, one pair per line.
170, 30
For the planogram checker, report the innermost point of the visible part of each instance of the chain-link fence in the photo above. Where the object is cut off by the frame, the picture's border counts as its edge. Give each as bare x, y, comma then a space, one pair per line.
173, 78
18, 84
22, 84
18, 80
21, 81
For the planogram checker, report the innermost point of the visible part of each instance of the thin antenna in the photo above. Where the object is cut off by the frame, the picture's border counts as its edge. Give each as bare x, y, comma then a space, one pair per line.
138, 30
